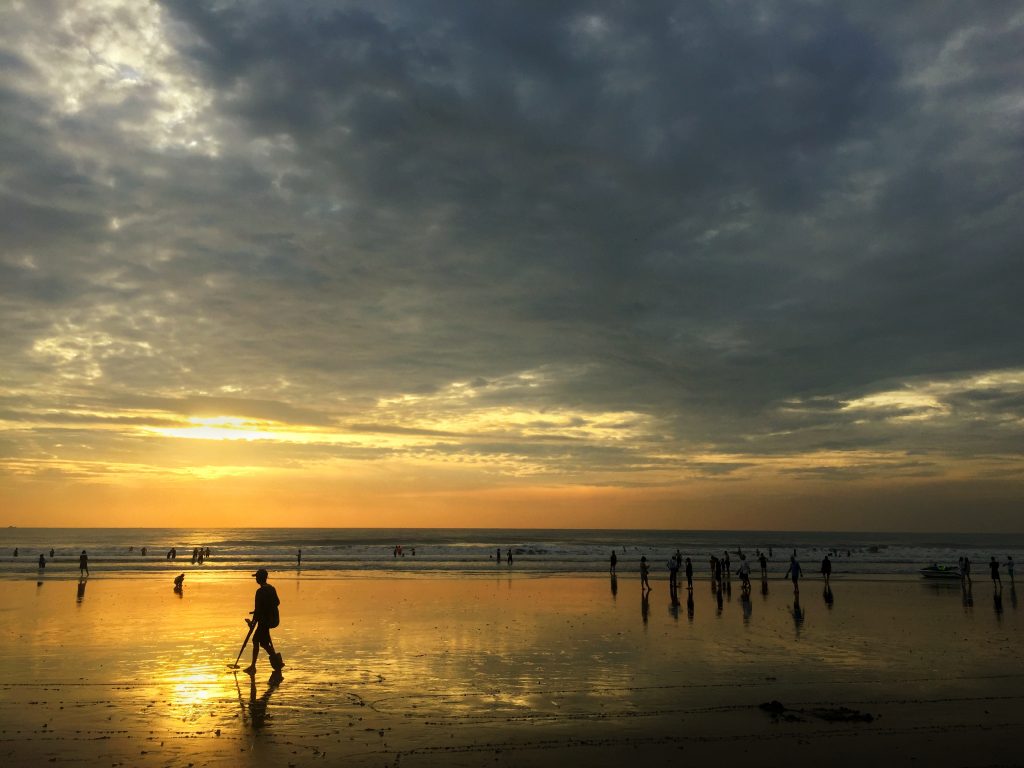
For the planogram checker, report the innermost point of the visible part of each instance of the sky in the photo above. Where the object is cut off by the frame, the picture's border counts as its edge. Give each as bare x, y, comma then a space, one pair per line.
685, 265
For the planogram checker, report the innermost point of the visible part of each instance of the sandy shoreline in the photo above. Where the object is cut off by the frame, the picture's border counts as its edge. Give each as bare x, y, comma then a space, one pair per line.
506, 671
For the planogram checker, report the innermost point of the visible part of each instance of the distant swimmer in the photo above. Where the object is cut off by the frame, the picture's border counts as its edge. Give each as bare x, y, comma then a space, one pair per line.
614, 560
266, 616
794, 571
83, 564
51, 554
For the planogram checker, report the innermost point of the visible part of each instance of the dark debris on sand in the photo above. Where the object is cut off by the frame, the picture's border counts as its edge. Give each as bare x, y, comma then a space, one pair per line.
779, 711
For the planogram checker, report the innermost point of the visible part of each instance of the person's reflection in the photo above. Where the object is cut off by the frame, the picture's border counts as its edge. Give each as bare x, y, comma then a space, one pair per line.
798, 614
689, 604
615, 585
728, 590
967, 597
997, 602
258, 706
827, 594
673, 607
747, 605
718, 600
764, 587
1013, 595
645, 604
81, 590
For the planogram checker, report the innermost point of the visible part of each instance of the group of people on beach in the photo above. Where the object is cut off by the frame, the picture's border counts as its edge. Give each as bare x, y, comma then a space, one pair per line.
964, 566
720, 569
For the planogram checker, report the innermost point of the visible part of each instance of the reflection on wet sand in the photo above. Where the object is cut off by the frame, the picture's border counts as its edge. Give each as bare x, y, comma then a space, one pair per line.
798, 614
81, 591
967, 595
258, 704
410, 667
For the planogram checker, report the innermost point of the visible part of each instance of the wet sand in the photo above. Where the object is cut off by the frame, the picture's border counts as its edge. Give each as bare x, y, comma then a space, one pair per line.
509, 671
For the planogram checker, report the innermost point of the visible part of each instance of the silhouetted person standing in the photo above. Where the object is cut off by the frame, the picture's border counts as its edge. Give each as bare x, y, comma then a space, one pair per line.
644, 573
764, 565
794, 571
826, 569
510, 557
266, 616
689, 574
83, 564
744, 573
1009, 566
614, 560
993, 566
298, 559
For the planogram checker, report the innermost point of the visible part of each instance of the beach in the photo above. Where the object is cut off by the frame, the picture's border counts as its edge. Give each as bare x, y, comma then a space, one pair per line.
508, 670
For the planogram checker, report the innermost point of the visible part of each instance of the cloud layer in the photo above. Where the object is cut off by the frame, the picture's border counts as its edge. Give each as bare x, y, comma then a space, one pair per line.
513, 244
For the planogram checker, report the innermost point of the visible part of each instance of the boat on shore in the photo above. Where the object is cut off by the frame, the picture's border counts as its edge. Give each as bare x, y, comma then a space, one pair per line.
936, 571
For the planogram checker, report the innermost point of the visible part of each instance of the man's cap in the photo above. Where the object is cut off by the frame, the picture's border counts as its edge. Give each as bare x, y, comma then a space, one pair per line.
261, 572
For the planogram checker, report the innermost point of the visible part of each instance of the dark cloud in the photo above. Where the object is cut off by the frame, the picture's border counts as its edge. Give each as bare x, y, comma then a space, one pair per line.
721, 226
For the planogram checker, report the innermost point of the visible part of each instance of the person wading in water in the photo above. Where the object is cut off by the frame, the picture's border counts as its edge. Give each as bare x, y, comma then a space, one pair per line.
266, 617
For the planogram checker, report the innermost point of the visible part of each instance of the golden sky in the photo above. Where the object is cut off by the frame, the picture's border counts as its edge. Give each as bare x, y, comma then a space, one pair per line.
399, 264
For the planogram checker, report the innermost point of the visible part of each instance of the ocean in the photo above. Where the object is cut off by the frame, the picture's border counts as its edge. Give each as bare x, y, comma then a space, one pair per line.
337, 552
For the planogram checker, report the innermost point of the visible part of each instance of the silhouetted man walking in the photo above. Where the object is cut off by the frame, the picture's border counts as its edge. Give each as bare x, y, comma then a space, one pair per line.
266, 616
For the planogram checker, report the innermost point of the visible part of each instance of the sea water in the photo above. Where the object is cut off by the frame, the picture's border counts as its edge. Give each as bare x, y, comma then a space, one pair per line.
439, 552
